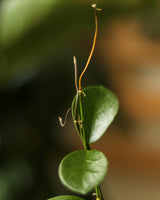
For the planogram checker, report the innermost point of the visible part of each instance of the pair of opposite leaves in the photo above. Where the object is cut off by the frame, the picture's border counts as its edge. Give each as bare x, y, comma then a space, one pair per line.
81, 171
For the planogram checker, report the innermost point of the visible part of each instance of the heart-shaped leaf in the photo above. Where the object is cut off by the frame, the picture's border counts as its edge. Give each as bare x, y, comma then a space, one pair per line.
81, 171
66, 197
99, 106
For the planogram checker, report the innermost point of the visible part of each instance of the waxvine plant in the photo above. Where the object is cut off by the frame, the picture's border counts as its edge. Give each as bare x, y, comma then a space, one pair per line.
93, 109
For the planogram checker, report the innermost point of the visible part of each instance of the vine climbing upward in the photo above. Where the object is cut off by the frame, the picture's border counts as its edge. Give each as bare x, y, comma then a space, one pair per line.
93, 110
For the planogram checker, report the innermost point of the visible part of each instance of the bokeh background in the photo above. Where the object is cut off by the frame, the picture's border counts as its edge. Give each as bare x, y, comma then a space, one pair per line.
38, 39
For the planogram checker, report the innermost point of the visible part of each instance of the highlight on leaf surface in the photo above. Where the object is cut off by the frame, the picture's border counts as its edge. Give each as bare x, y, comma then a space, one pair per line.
100, 106
81, 171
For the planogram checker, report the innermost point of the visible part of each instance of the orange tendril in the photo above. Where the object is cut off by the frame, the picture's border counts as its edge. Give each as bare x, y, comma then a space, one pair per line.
93, 45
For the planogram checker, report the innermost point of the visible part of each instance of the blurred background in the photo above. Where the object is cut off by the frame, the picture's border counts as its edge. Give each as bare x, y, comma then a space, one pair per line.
38, 39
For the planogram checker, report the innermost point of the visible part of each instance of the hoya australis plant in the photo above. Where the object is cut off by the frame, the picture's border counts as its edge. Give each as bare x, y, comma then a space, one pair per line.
93, 109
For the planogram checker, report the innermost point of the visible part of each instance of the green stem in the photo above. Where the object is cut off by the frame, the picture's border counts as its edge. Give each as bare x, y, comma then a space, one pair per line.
86, 145
99, 192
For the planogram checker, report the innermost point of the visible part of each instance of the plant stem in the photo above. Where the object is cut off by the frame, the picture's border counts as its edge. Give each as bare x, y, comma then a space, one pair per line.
86, 145
99, 192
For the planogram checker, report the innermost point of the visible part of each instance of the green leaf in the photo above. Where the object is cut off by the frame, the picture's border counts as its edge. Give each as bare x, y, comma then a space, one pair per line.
66, 197
99, 106
81, 171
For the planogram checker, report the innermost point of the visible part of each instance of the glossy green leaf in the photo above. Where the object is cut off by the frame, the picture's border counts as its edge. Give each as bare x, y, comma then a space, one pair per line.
99, 106
66, 197
81, 171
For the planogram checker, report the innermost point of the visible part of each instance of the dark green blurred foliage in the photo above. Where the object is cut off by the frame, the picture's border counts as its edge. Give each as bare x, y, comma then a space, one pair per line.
37, 42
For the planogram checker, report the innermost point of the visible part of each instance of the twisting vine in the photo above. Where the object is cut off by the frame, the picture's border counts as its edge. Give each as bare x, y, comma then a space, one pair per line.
93, 110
